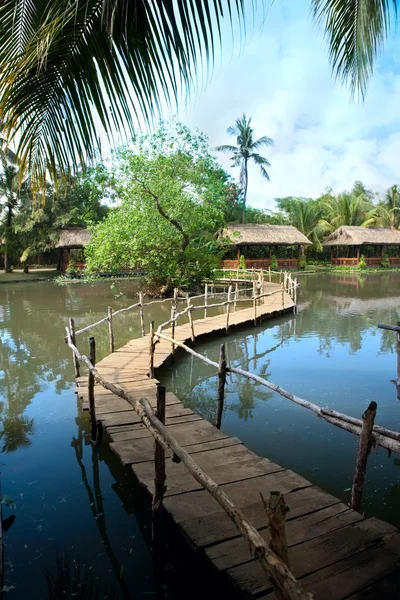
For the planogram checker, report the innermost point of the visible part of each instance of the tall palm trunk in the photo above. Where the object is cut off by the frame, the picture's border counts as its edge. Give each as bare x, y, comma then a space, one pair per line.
246, 181
7, 235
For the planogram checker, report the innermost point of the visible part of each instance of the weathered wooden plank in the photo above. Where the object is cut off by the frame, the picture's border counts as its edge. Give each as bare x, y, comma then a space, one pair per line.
310, 556
147, 448
221, 474
235, 551
209, 525
185, 433
130, 416
351, 575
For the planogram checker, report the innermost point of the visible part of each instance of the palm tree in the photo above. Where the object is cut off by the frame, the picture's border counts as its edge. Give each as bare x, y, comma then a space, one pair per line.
245, 151
305, 217
348, 208
388, 212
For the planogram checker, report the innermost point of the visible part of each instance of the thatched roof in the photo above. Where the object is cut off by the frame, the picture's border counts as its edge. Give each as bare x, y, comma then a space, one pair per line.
73, 237
265, 235
358, 236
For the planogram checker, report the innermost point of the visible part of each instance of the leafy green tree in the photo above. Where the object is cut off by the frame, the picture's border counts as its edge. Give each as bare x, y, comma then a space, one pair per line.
76, 202
172, 203
245, 151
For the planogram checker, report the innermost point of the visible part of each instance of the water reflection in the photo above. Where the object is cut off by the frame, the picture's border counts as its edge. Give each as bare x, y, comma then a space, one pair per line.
331, 353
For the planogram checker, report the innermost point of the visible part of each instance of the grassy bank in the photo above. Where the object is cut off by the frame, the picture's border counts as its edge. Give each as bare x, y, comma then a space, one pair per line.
18, 276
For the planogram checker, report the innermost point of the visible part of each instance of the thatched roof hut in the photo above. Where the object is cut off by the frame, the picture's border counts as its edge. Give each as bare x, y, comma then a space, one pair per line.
252, 234
73, 237
358, 236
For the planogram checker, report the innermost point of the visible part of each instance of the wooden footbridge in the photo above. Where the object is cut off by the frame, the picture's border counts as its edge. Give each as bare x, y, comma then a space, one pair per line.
215, 489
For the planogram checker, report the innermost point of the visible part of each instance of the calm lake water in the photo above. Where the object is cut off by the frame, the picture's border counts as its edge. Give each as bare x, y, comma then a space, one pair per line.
69, 497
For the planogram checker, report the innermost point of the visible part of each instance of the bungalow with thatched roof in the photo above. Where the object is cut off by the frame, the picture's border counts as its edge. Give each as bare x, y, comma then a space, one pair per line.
249, 236
71, 242
355, 240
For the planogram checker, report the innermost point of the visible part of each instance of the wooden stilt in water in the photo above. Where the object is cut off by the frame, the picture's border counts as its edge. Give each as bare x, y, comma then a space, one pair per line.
228, 309
92, 408
276, 510
110, 329
221, 385
159, 454
173, 324
364, 448
192, 336
152, 348
73, 339
205, 300
141, 311
255, 302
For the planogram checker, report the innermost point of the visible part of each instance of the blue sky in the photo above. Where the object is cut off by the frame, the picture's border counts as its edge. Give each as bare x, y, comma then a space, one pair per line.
282, 79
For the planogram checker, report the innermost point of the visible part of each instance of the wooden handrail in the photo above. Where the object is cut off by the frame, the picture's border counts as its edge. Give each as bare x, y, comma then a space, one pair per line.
383, 437
282, 578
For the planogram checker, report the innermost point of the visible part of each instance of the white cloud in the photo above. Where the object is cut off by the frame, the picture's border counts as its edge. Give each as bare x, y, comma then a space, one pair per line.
283, 80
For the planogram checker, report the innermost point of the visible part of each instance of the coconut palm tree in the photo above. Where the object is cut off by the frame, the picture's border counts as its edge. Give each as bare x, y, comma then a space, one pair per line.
245, 151
388, 211
348, 208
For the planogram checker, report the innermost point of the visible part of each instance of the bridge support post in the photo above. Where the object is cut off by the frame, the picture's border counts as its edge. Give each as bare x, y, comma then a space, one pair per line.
221, 385
73, 340
110, 329
228, 309
152, 348
159, 454
141, 311
92, 408
364, 449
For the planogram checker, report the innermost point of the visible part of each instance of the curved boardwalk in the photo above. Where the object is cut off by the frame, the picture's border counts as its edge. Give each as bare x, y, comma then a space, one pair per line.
334, 551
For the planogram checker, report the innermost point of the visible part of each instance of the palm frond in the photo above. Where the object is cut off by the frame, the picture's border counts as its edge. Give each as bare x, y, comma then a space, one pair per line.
67, 66
227, 148
264, 141
262, 163
356, 30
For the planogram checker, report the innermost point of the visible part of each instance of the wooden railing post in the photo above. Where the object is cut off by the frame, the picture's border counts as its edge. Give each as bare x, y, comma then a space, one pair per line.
152, 348
283, 297
236, 294
255, 303
269, 274
73, 340
364, 448
205, 300
221, 385
192, 336
141, 312
110, 329
228, 309
174, 305
92, 408
159, 454
276, 510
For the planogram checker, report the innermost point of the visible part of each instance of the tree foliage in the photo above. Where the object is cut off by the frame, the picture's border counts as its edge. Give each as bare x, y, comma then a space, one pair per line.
173, 201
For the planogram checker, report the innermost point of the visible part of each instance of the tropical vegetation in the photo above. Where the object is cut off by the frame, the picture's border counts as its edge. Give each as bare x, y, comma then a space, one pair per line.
67, 66
246, 151
172, 194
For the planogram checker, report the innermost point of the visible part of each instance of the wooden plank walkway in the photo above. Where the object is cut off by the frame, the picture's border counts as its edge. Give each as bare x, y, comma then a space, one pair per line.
334, 551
